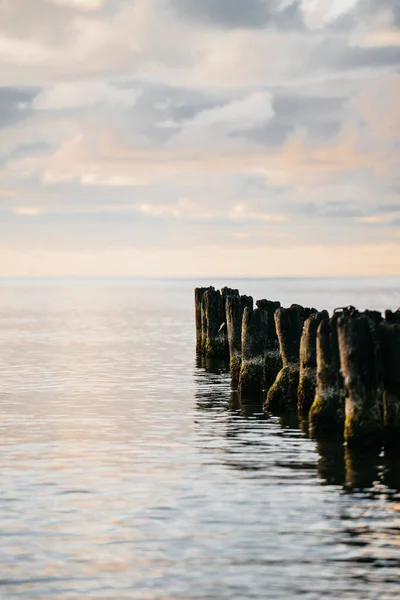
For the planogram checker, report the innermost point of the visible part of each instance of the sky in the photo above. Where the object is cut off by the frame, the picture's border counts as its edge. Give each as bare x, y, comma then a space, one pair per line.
200, 138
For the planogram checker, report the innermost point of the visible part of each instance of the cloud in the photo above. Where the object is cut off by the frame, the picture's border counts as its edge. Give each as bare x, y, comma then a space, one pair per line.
15, 103
319, 13
178, 123
84, 5
234, 116
238, 14
70, 95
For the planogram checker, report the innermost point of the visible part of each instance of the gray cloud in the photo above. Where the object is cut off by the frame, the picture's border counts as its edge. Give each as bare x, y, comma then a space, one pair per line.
24, 150
15, 104
388, 208
319, 116
241, 14
334, 53
365, 11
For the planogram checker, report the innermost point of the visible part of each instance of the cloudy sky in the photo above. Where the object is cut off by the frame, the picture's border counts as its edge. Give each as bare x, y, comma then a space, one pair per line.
199, 137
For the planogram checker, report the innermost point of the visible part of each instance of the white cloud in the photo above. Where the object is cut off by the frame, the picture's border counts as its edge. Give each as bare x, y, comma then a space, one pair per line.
83, 5
317, 13
238, 114
79, 94
20, 52
211, 128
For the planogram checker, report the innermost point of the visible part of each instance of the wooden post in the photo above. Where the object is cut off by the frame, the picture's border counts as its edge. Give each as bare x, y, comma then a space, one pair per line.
308, 361
234, 309
198, 296
289, 324
360, 361
390, 345
254, 344
392, 317
273, 360
225, 294
326, 416
213, 339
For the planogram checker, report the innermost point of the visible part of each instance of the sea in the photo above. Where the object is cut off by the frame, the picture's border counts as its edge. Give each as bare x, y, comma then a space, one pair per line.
129, 471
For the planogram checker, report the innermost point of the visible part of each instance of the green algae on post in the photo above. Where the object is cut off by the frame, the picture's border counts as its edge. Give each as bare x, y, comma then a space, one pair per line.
326, 416
273, 362
198, 296
283, 392
234, 308
254, 344
213, 337
308, 361
360, 361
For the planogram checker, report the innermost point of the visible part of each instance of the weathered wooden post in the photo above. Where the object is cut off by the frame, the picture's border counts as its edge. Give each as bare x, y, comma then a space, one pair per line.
326, 416
226, 293
360, 361
390, 346
289, 324
254, 344
198, 296
213, 339
308, 361
273, 360
234, 309
392, 317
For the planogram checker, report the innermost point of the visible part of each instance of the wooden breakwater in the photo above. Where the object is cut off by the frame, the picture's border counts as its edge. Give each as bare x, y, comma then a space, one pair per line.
341, 372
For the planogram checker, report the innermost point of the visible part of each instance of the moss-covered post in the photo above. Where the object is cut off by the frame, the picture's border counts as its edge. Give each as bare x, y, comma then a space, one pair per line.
308, 361
360, 361
326, 416
234, 308
198, 296
390, 345
226, 293
213, 339
289, 324
273, 360
254, 344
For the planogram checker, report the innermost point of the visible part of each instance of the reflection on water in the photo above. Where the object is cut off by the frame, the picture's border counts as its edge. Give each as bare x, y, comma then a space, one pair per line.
128, 471
358, 538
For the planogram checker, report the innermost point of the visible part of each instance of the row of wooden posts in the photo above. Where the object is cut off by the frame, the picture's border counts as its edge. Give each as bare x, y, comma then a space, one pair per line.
341, 371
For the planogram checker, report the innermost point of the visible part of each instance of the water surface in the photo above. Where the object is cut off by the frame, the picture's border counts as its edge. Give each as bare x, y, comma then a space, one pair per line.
126, 472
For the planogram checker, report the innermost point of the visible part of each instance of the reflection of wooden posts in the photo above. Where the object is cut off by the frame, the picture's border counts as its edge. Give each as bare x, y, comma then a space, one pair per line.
326, 415
331, 466
234, 308
360, 361
254, 344
390, 345
308, 361
273, 360
289, 323
361, 467
213, 339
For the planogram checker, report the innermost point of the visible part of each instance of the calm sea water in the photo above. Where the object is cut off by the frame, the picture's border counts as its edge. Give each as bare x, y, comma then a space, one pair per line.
127, 472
